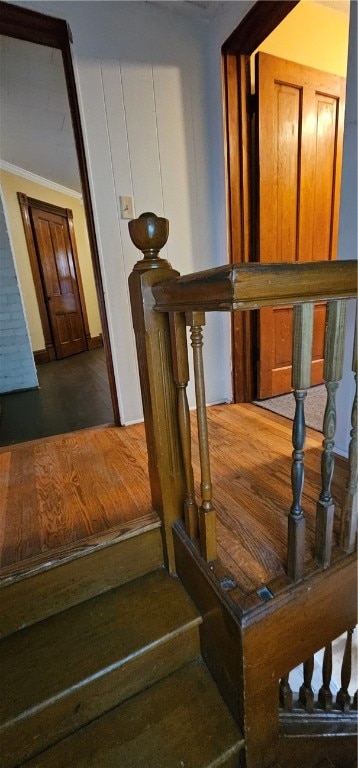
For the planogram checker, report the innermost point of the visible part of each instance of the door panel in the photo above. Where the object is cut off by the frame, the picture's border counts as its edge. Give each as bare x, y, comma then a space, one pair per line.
58, 272
299, 152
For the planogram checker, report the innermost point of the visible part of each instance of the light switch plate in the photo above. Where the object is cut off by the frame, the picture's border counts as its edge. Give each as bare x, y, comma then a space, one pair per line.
126, 203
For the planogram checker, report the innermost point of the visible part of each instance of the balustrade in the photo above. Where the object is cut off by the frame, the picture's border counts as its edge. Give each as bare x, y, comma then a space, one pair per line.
291, 702
183, 301
249, 637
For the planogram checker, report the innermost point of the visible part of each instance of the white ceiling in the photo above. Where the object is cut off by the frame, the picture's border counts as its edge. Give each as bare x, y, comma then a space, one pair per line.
35, 125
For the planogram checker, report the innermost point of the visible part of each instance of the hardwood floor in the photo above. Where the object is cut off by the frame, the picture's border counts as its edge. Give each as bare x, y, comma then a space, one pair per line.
251, 474
71, 490
73, 394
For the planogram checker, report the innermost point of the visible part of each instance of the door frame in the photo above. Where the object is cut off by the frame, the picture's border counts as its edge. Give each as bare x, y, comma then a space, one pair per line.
38, 28
258, 23
26, 203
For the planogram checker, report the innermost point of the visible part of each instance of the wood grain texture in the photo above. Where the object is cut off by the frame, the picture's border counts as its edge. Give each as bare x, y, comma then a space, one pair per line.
61, 490
250, 467
114, 645
179, 722
251, 286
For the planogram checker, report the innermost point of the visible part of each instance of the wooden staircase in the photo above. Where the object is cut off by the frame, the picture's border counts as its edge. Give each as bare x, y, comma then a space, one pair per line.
108, 679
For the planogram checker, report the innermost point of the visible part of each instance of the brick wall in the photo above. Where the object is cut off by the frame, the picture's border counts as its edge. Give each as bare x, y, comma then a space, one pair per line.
17, 368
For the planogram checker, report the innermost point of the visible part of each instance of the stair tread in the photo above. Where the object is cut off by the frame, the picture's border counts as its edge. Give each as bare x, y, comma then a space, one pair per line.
39, 663
181, 722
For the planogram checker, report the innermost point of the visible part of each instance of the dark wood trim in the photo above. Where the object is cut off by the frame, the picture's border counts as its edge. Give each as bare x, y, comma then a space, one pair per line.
259, 22
66, 213
38, 28
24, 208
95, 341
69, 216
41, 356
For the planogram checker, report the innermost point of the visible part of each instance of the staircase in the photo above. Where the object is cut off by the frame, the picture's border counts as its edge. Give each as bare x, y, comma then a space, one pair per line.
109, 679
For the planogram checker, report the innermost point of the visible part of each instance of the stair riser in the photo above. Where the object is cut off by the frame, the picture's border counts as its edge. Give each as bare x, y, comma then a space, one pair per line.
22, 740
37, 597
180, 721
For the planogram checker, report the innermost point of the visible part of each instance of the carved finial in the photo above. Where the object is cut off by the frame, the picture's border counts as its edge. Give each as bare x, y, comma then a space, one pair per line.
149, 233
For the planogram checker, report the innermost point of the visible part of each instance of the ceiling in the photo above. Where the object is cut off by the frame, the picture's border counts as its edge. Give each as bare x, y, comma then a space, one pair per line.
35, 124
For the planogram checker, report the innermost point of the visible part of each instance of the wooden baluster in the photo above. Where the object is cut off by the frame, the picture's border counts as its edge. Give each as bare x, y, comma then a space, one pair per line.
333, 370
349, 518
285, 694
181, 378
301, 379
343, 697
355, 701
207, 517
306, 696
325, 695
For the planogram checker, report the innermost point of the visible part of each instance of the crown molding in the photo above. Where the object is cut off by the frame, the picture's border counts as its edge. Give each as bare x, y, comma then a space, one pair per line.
5, 166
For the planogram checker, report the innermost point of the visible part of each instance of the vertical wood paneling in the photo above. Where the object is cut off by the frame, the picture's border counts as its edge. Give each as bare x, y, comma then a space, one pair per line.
110, 246
139, 105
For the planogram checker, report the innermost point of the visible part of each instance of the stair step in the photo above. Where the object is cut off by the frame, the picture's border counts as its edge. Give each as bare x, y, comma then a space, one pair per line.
69, 669
181, 722
79, 572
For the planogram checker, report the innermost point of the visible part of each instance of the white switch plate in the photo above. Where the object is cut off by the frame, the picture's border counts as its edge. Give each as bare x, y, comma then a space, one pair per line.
126, 204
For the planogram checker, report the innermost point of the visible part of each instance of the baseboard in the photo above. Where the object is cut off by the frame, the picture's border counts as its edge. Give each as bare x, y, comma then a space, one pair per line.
95, 341
41, 356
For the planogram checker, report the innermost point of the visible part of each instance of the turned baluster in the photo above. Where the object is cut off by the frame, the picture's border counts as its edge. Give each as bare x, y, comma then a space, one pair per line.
325, 693
349, 516
181, 378
206, 513
306, 696
285, 694
355, 701
301, 379
333, 369
343, 697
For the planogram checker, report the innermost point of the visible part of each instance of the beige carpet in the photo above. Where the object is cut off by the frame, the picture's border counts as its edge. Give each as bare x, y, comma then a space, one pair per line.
315, 404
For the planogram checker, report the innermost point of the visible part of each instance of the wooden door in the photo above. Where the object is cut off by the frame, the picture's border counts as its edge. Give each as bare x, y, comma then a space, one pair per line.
299, 136
59, 280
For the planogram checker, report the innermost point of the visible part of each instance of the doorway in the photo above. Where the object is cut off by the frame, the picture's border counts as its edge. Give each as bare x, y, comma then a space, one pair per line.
66, 330
255, 372
51, 241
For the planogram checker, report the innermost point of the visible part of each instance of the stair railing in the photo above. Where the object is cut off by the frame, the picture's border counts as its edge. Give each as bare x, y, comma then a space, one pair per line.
325, 701
164, 304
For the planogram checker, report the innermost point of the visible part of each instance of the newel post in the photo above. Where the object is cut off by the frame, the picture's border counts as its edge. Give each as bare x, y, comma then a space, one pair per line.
159, 395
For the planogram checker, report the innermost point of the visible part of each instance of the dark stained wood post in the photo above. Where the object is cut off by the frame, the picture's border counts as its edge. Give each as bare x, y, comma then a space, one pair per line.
301, 381
181, 377
333, 370
325, 697
207, 514
349, 516
159, 395
343, 698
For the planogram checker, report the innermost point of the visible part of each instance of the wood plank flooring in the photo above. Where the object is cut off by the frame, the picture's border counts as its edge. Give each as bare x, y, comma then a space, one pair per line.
62, 491
73, 488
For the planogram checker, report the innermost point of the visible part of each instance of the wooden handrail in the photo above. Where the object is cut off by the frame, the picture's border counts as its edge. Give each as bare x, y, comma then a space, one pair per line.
163, 304
252, 286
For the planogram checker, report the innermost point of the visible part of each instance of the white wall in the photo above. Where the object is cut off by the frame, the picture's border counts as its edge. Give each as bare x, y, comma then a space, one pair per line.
148, 91
347, 242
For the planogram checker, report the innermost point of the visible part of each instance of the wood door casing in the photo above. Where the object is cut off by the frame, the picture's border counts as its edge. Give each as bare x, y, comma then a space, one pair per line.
59, 277
299, 140
48, 227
